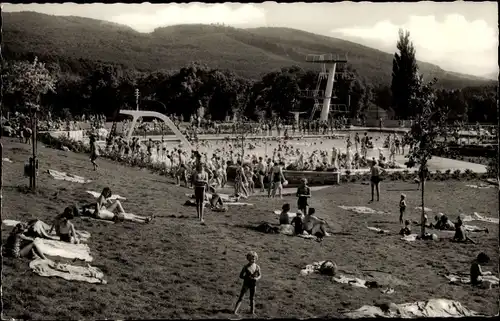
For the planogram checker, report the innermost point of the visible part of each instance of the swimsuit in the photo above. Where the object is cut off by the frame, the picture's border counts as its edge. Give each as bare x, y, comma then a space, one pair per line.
65, 237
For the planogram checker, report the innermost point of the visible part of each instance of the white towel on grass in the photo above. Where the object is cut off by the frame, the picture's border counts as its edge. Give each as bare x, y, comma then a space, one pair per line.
68, 272
63, 249
68, 177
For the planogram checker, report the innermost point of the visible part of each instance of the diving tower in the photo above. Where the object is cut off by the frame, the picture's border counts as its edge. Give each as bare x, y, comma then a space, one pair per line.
329, 64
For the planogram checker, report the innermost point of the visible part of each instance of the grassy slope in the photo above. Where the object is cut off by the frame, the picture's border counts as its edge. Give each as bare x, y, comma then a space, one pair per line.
176, 268
249, 52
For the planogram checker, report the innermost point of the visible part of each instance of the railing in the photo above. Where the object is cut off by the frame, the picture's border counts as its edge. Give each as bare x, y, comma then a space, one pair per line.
339, 58
309, 93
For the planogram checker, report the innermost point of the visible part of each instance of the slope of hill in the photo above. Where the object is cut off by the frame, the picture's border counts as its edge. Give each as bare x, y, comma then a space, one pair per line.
248, 52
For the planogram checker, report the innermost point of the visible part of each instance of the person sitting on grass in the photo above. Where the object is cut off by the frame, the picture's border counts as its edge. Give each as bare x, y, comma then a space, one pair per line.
443, 223
284, 218
314, 225
298, 223
19, 245
476, 273
64, 228
106, 213
406, 230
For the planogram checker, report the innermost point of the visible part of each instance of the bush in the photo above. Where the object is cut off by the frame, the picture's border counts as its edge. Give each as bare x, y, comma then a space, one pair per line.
456, 174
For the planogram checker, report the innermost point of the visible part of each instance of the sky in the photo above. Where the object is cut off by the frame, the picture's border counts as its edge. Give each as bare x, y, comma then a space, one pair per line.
457, 36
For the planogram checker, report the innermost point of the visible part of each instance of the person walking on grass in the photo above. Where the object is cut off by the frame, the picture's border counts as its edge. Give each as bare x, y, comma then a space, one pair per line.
250, 275
94, 151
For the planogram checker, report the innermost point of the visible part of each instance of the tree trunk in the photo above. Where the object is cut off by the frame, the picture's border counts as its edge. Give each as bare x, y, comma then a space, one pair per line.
422, 219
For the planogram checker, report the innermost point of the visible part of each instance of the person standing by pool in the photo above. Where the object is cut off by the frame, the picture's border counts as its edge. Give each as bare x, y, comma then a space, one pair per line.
375, 171
303, 194
261, 169
200, 181
356, 142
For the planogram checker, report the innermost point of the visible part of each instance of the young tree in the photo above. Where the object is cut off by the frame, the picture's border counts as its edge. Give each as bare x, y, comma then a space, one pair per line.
28, 81
426, 131
404, 71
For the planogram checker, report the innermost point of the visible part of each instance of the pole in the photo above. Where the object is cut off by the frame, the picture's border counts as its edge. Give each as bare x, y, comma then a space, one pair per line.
328, 93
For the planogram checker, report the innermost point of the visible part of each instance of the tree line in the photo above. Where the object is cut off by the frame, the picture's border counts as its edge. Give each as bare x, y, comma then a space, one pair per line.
222, 93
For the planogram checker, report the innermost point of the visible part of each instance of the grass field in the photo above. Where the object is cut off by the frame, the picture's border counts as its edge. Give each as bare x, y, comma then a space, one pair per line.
177, 268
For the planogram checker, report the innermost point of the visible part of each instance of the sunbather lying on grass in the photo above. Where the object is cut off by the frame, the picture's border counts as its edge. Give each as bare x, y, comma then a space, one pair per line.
100, 211
19, 245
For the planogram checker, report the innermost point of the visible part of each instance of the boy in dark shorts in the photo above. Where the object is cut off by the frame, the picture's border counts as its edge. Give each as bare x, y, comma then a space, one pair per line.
402, 208
250, 275
298, 224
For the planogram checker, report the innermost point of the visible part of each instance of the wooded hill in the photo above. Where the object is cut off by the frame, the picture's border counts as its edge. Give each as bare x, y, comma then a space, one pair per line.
76, 44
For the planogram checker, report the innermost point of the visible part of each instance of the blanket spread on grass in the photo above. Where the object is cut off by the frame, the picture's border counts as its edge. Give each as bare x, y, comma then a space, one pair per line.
480, 186
68, 272
63, 249
287, 229
433, 308
41, 229
112, 198
68, 177
478, 217
378, 230
457, 279
192, 202
362, 210
426, 209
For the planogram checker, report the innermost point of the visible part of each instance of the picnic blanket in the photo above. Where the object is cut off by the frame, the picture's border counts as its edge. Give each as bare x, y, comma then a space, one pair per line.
361, 283
68, 272
378, 230
478, 217
362, 210
67, 177
433, 308
191, 202
461, 279
291, 215
112, 198
64, 249
480, 186
41, 229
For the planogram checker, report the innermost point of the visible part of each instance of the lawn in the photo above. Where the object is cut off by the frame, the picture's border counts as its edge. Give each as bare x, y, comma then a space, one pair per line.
177, 268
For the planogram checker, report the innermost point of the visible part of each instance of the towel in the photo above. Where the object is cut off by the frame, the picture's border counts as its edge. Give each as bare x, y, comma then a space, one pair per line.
6, 160
237, 204
291, 215
426, 209
41, 229
410, 238
67, 177
478, 217
482, 186
434, 308
362, 210
378, 230
68, 272
113, 197
456, 279
63, 249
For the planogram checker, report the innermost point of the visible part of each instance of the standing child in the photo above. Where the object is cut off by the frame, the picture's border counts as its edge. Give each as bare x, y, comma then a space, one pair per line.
402, 208
298, 224
250, 275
